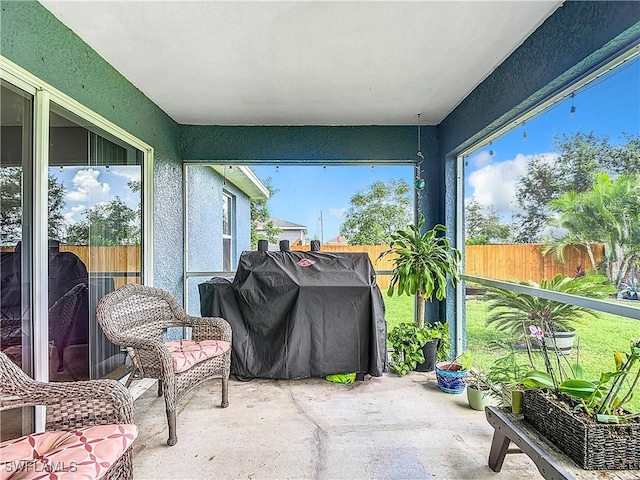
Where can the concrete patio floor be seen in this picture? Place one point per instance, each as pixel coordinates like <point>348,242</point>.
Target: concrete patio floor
<point>383,428</point>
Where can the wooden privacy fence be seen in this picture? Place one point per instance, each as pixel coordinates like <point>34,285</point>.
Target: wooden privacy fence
<point>525,261</point>
<point>500,262</point>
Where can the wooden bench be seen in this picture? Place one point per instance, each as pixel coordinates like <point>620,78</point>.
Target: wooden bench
<point>550,461</point>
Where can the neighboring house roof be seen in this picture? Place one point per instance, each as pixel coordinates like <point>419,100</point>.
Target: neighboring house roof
<point>243,178</point>
<point>284,225</point>
<point>339,239</point>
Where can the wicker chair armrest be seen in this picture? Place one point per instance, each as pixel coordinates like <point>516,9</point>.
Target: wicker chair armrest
<point>139,343</point>
<point>70,404</point>
<point>209,328</point>
<point>157,348</point>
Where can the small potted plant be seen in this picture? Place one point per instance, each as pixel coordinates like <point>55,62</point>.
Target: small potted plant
<point>423,265</point>
<point>507,373</point>
<point>451,374</point>
<point>480,390</point>
<point>416,348</point>
<point>586,419</point>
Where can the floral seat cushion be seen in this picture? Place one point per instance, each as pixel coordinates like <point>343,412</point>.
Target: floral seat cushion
<point>186,353</point>
<point>83,453</point>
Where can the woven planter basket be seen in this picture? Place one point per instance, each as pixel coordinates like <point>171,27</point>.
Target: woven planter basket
<point>593,446</point>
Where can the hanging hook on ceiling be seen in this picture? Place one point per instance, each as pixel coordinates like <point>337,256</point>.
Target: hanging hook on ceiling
<point>419,153</point>
<point>572,111</point>
<point>419,181</point>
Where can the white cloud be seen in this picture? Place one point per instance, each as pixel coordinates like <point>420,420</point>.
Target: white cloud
<point>129,172</point>
<point>75,213</point>
<point>337,212</point>
<point>495,184</point>
<point>86,186</point>
<point>480,159</point>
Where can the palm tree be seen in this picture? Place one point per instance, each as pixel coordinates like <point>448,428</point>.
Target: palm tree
<point>423,264</point>
<point>609,213</point>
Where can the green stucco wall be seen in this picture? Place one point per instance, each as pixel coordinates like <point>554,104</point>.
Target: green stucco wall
<point>307,144</point>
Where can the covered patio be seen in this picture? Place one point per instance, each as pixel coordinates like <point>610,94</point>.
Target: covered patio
<point>388,427</point>
<point>292,83</point>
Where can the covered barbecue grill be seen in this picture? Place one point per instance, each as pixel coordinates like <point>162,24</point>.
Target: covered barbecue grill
<point>301,314</point>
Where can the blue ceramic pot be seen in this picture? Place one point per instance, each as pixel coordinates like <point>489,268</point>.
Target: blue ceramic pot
<point>450,377</point>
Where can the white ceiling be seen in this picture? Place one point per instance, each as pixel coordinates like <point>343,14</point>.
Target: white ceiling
<point>304,62</point>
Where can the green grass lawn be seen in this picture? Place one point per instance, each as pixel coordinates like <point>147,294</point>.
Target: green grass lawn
<point>598,337</point>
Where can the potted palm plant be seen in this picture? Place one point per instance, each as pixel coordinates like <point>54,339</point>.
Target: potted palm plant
<point>423,265</point>
<point>514,312</point>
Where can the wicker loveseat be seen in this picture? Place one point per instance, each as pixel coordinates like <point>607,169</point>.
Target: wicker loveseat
<point>136,316</point>
<point>89,428</point>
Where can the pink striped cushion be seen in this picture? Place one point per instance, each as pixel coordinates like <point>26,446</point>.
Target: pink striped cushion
<point>83,453</point>
<point>186,353</point>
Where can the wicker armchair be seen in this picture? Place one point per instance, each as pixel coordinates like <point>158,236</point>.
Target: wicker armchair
<point>135,316</point>
<point>71,405</point>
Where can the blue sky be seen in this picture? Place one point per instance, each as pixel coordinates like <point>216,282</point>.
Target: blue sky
<point>608,106</point>
<point>88,186</point>
<point>304,192</point>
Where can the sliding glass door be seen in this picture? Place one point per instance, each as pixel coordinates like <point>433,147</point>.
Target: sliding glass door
<point>95,244</point>
<point>16,200</point>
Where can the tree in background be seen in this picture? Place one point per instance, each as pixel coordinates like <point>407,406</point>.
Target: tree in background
<point>11,206</point>
<point>608,213</point>
<point>106,224</point>
<point>376,212</point>
<point>483,225</point>
<point>260,216</point>
<point>581,155</point>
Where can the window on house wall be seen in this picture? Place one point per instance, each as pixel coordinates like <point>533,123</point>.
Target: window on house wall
<point>227,231</point>
<point>518,187</point>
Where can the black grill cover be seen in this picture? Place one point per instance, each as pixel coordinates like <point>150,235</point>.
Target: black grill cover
<point>301,314</point>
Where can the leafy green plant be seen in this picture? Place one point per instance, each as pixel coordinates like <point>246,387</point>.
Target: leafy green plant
<point>464,361</point>
<point>477,380</point>
<point>407,340</point>
<point>423,263</point>
<point>507,370</point>
<point>515,312</point>
<point>603,398</point>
